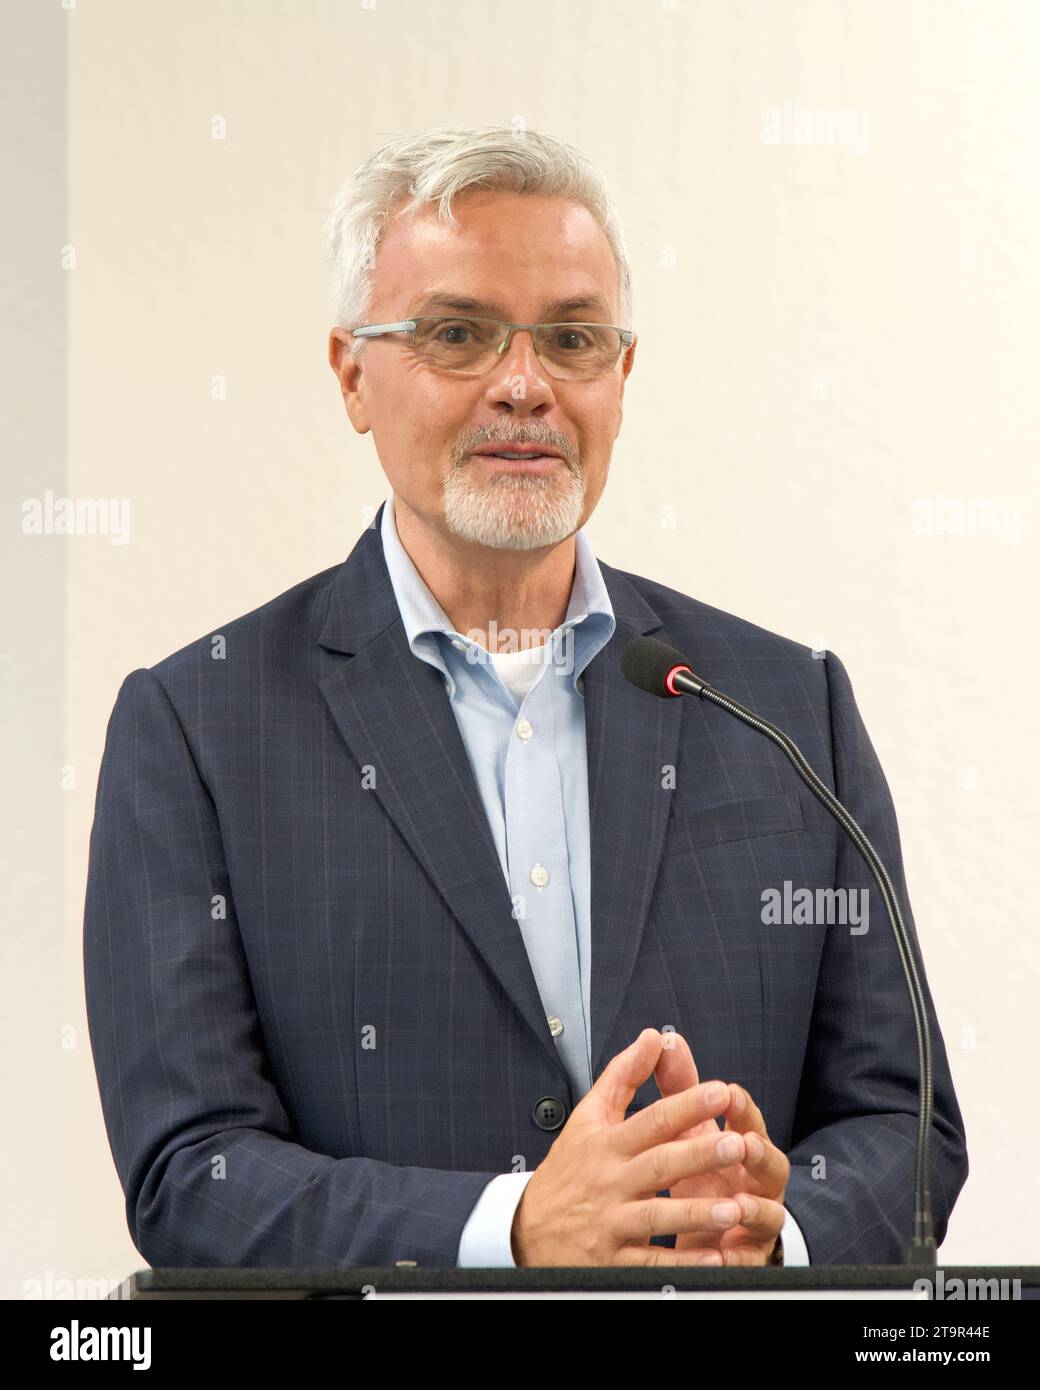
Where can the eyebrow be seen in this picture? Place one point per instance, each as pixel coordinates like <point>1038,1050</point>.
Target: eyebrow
<point>464,303</point>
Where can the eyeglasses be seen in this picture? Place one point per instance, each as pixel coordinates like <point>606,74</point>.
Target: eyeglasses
<point>471,347</point>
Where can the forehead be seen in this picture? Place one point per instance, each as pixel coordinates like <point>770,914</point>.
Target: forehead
<point>512,254</point>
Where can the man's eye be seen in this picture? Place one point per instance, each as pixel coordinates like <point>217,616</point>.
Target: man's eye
<point>454,328</point>
<point>572,338</point>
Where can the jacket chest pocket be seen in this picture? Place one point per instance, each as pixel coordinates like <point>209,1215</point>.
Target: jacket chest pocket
<point>735,820</point>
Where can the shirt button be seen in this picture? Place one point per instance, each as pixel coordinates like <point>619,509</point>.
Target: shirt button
<point>459,646</point>
<point>580,682</point>
<point>555,1027</point>
<point>524,729</point>
<point>448,685</point>
<point>539,876</point>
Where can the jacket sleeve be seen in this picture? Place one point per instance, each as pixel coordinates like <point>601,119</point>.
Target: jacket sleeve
<point>205,1151</point>
<point>855,1124</point>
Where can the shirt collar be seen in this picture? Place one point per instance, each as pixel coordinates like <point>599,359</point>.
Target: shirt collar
<point>589,610</point>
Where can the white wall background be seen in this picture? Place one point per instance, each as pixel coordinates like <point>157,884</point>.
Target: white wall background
<point>837,345</point>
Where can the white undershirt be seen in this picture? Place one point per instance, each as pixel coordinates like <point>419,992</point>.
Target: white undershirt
<point>520,670</point>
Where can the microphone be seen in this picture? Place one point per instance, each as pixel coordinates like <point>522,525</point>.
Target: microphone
<point>660,669</point>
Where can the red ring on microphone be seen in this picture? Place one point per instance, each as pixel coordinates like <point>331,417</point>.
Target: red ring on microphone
<point>671,676</point>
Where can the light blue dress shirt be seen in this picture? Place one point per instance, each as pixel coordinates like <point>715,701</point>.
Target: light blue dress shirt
<point>521,715</point>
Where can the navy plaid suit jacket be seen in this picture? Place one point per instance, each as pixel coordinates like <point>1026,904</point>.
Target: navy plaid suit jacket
<point>315,1027</point>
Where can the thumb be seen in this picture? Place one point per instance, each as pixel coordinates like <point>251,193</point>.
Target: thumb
<point>612,1093</point>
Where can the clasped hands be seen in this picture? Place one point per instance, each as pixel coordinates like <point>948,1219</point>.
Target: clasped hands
<point>592,1200</point>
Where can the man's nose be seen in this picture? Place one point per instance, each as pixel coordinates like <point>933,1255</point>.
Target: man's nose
<point>518,377</point>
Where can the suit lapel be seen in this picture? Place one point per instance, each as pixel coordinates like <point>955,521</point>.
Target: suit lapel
<point>632,740</point>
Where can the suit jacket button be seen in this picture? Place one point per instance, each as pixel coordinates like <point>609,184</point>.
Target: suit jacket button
<point>549,1113</point>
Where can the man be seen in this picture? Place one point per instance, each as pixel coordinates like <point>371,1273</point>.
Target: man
<point>414,931</point>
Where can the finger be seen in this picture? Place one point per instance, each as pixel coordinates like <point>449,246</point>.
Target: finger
<point>743,1114</point>
<point>767,1167</point>
<point>751,1254</point>
<point>668,1117</point>
<point>761,1222</point>
<point>666,1164</point>
<point>676,1071</point>
<point>703,1217</point>
<point>612,1093</point>
<point>764,1162</point>
<point>661,1255</point>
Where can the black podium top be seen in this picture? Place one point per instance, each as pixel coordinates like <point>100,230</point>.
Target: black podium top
<point>356,1283</point>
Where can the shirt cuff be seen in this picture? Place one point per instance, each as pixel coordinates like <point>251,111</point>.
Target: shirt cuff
<point>486,1241</point>
<point>796,1252</point>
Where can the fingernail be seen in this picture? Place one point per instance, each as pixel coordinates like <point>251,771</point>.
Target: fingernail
<point>728,1148</point>
<point>739,1100</point>
<point>715,1094</point>
<point>726,1213</point>
<point>750,1209</point>
<point>755,1147</point>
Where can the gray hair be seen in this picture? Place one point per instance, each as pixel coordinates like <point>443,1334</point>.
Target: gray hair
<point>434,167</point>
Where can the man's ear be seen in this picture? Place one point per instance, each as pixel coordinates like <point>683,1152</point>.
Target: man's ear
<point>627,363</point>
<point>351,378</point>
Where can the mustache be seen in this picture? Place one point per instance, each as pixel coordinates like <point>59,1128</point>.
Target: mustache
<point>552,439</point>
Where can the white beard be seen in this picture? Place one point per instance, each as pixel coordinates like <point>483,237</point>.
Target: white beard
<point>513,511</point>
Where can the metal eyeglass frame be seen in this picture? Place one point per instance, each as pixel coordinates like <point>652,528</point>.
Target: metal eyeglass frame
<point>373,330</point>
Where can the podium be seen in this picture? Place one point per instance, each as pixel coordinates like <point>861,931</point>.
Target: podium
<point>958,1285</point>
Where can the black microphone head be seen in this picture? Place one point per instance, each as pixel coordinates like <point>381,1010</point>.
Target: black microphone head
<point>646,662</point>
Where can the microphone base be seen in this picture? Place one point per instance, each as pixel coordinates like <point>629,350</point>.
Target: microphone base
<point>922,1254</point>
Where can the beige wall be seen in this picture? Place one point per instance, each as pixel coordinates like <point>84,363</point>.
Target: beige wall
<point>834,339</point>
